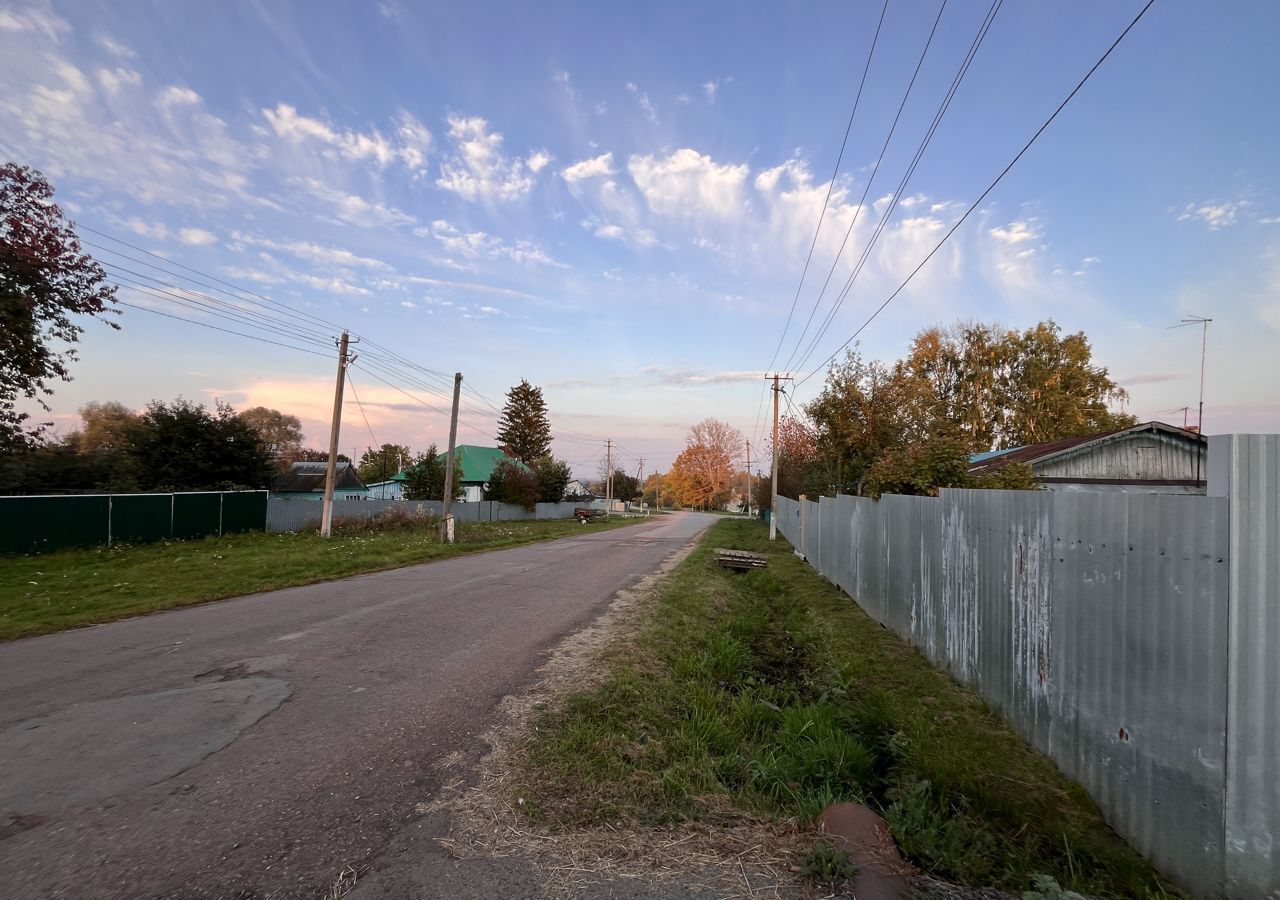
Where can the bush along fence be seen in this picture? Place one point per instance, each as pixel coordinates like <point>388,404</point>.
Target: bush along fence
<point>1134,638</point>
<point>302,515</point>
<point>30,524</point>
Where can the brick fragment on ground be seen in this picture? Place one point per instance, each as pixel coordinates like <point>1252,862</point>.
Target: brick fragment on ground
<point>882,872</point>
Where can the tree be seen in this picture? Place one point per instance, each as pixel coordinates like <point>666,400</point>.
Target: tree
<point>306,454</point>
<point>996,388</point>
<point>924,468</point>
<point>553,477</point>
<point>45,280</point>
<point>688,482</point>
<point>183,446</point>
<point>920,469</point>
<point>511,482</point>
<point>656,491</point>
<point>424,479</point>
<point>381,464</point>
<point>625,487</point>
<point>281,434</point>
<point>865,408</point>
<point>1054,391</point>
<point>59,467</point>
<point>800,466</point>
<point>523,428</point>
<point>104,427</point>
<point>704,470</point>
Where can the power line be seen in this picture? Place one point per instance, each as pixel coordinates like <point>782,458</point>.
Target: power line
<point>82,227</point>
<point>901,188</point>
<point>219,310</point>
<point>989,189</point>
<point>862,201</point>
<point>351,381</point>
<point>857,99</point>
<point>823,212</point>
<point>251,337</point>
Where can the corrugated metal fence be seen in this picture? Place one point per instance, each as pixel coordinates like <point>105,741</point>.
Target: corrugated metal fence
<point>301,515</point>
<point>1131,637</point>
<point>88,520</point>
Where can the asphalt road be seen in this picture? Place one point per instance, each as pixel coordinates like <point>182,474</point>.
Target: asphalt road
<point>253,748</point>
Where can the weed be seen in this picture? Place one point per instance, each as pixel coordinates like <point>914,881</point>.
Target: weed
<point>773,693</point>
<point>1045,887</point>
<point>828,865</point>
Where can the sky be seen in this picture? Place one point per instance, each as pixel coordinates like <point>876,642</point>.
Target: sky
<point>616,201</point>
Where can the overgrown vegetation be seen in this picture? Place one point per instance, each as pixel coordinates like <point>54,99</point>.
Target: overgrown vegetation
<point>772,693</point>
<point>46,592</point>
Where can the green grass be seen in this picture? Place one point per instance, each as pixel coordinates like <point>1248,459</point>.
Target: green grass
<point>47,592</point>
<point>774,691</point>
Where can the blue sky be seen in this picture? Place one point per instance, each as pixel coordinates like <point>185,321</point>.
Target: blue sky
<point>614,201</point>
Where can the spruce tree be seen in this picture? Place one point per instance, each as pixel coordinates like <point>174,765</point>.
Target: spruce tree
<point>523,427</point>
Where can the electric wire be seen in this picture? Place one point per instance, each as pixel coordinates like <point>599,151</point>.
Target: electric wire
<point>351,382</point>
<point>862,201</point>
<point>823,212</point>
<point>251,337</point>
<point>900,190</point>
<point>1025,147</point>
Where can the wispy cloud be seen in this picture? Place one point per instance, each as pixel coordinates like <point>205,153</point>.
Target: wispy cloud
<point>479,168</point>
<point>646,105</point>
<point>1214,214</point>
<point>354,210</point>
<point>311,251</point>
<point>409,144</point>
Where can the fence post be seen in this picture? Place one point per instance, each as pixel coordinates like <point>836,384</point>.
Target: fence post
<point>1245,468</point>
<point>804,514</point>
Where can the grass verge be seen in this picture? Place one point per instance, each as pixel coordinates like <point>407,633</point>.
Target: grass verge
<point>771,693</point>
<point>46,592</point>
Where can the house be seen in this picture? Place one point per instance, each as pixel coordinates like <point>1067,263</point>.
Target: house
<point>391,489</point>
<point>578,492</point>
<point>305,481</point>
<point>1150,458</point>
<point>475,469</point>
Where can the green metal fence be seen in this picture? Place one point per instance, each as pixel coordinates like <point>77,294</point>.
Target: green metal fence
<point>49,522</point>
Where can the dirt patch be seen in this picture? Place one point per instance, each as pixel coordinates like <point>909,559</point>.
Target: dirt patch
<point>748,858</point>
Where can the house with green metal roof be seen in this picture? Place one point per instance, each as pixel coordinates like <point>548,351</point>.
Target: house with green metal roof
<point>475,469</point>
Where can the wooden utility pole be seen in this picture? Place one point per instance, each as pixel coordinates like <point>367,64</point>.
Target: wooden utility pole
<point>446,498</point>
<point>330,475</point>
<point>773,502</point>
<point>608,478</point>
<point>748,479</point>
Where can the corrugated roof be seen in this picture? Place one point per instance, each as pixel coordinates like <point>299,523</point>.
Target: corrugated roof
<point>1033,453</point>
<point>306,477</point>
<point>990,454</point>
<point>476,464</point>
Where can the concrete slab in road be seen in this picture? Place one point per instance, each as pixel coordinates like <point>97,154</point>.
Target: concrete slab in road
<point>255,747</point>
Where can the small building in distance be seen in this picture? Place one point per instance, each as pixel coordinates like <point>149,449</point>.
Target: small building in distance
<point>578,492</point>
<point>1151,458</point>
<point>305,481</point>
<point>391,489</point>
